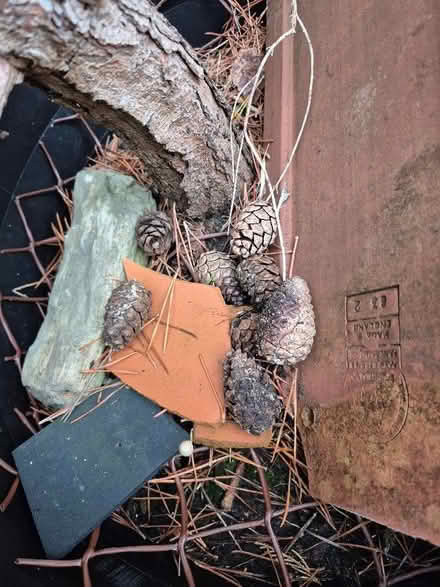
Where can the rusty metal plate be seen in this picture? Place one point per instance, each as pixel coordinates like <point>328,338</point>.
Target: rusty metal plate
<point>366,208</point>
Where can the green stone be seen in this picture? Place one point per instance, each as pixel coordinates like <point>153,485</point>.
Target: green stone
<point>106,207</point>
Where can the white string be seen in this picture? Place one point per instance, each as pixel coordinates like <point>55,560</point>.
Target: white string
<point>264,177</point>
<point>309,103</point>
<point>256,80</point>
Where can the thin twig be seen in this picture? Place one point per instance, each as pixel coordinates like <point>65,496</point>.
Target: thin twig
<point>228,499</point>
<point>4,465</point>
<point>156,326</point>
<point>268,524</point>
<point>292,259</point>
<point>10,495</point>
<point>24,420</point>
<point>110,395</point>
<point>379,567</point>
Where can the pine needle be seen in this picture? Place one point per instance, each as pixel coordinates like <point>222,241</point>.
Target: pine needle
<point>208,376</point>
<point>286,409</point>
<point>170,288</point>
<point>167,326</point>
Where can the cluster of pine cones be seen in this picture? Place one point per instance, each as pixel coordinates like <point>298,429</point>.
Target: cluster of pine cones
<point>250,276</point>
<point>279,329</point>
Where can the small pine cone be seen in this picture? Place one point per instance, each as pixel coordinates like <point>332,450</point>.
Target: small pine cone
<point>127,310</point>
<point>254,231</point>
<point>216,268</point>
<point>249,393</point>
<point>258,277</point>
<point>243,332</point>
<point>154,233</point>
<point>286,325</point>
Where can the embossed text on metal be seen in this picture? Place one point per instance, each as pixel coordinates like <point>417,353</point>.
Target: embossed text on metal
<point>372,331</point>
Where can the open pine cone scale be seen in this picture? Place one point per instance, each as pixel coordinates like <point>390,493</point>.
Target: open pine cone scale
<point>255,230</point>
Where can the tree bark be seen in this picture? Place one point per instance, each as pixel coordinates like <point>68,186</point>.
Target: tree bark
<point>124,65</point>
<point>9,76</point>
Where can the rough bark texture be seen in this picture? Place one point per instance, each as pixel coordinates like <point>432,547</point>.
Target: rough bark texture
<point>9,76</point>
<point>126,66</point>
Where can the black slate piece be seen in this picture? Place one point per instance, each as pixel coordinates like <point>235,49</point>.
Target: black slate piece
<point>76,474</point>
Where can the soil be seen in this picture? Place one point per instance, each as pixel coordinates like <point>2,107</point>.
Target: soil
<point>339,566</point>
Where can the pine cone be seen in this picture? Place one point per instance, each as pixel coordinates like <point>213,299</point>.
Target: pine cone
<point>243,332</point>
<point>254,231</point>
<point>154,233</point>
<point>127,310</point>
<point>249,393</point>
<point>258,277</point>
<point>216,268</point>
<point>286,325</point>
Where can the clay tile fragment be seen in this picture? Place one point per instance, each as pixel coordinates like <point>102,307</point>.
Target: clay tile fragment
<point>187,377</point>
<point>230,435</point>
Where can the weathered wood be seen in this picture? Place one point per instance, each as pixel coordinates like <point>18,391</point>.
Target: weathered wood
<point>102,235</point>
<point>9,76</point>
<point>121,62</point>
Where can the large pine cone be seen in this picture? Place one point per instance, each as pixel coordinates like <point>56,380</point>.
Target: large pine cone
<point>250,397</point>
<point>243,332</point>
<point>127,310</point>
<point>216,268</point>
<point>254,231</point>
<point>258,277</point>
<point>286,326</point>
<point>154,233</point>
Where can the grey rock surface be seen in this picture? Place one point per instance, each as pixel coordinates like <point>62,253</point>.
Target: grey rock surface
<point>106,208</point>
<point>76,474</point>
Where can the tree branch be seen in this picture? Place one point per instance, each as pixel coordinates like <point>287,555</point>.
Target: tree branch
<point>122,63</point>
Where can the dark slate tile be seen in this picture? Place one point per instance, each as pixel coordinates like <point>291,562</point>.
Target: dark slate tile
<point>76,475</point>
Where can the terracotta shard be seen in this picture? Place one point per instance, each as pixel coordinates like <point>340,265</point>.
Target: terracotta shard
<point>187,377</point>
<point>229,435</point>
<point>366,210</point>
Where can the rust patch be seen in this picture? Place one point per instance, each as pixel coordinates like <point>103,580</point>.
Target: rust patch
<point>416,179</point>
<point>383,407</point>
<point>429,410</point>
<point>361,110</point>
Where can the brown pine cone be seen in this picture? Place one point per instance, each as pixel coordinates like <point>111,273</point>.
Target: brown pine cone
<point>249,393</point>
<point>127,310</point>
<point>216,268</point>
<point>154,233</point>
<point>243,332</point>
<point>254,231</point>
<point>286,324</point>
<point>258,277</point>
